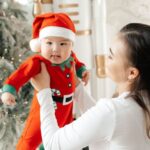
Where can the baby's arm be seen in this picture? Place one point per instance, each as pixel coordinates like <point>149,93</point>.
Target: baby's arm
<point>81,70</point>
<point>18,78</point>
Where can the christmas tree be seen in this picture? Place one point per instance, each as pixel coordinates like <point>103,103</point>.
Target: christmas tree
<point>14,40</point>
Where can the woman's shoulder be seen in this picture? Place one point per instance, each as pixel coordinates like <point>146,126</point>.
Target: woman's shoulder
<point>106,105</point>
<point>120,103</point>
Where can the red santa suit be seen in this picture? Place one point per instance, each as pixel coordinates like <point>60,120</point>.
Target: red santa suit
<point>62,85</point>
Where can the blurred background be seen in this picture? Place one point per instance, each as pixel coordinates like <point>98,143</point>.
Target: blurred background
<point>96,22</point>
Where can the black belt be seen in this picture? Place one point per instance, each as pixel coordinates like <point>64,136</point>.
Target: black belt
<point>61,99</point>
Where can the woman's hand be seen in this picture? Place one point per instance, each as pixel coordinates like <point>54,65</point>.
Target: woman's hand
<point>42,80</point>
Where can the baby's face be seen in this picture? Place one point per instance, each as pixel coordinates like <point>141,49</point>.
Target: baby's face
<point>56,49</point>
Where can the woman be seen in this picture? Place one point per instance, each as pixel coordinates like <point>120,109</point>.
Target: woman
<point>121,123</point>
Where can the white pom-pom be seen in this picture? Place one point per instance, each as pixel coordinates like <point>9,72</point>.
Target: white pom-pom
<point>35,45</point>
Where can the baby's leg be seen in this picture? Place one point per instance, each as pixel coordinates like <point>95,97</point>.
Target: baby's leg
<point>31,136</point>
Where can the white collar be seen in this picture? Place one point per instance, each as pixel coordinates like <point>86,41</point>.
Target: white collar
<point>124,94</point>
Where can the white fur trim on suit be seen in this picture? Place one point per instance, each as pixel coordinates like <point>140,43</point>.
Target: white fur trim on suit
<point>58,32</point>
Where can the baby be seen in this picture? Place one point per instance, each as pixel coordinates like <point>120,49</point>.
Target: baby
<point>53,37</point>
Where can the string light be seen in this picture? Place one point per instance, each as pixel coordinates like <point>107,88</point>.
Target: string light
<point>20,60</point>
<point>20,55</point>
<point>14,116</point>
<point>6,50</point>
<point>4,123</point>
<point>25,103</point>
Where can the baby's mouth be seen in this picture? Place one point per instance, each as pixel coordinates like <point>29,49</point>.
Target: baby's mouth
<point>55,56</point>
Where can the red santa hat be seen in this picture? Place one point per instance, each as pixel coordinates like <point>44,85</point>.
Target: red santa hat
<point>51,24</point>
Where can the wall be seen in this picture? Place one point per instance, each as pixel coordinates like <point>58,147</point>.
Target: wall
<point>119,13</point>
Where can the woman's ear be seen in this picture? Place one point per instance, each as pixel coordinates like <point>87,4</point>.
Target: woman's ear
<point>133,73</point>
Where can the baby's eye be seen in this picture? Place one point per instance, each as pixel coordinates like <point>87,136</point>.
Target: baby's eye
<point>63,44</point>
<point>49,43</point>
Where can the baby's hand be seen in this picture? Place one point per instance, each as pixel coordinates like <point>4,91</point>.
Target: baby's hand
<point>85,77</point>
<point>8,99</point>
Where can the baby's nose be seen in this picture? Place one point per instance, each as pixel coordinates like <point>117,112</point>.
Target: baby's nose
<point>55,48</point>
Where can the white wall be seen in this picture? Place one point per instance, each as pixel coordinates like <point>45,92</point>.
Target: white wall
<point>121,12</point>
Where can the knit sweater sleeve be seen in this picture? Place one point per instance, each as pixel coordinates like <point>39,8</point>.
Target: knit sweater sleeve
<point>93,125</point>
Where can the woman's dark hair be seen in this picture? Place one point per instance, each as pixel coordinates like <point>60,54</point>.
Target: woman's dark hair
<point>137,38</point>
